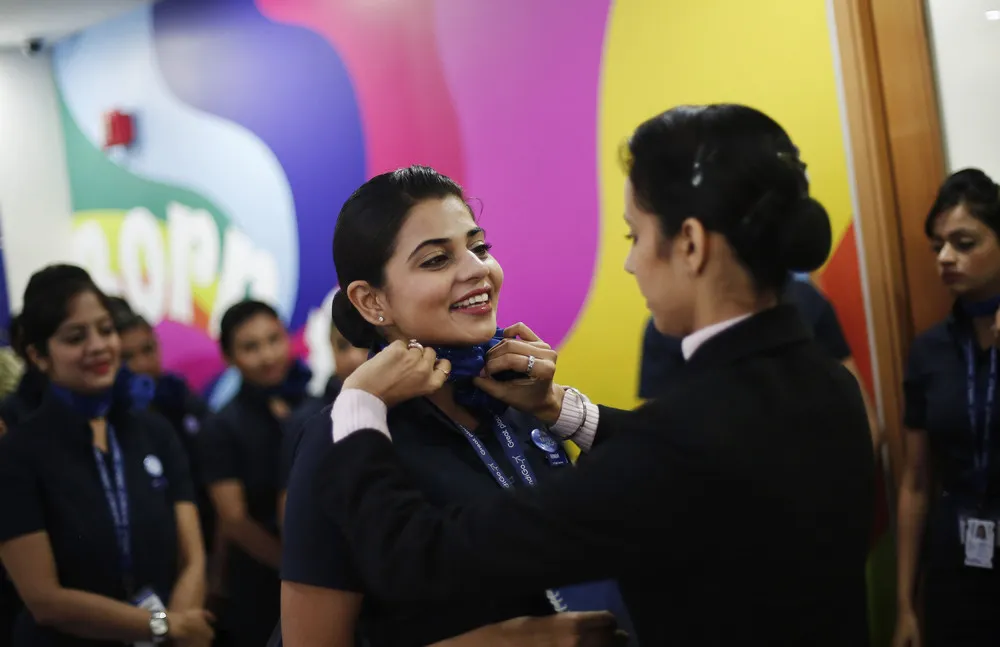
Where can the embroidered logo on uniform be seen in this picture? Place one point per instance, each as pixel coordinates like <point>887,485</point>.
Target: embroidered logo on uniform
<point>153,466</point>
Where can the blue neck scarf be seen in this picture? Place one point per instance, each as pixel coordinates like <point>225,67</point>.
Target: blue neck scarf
<point>467,362</point>
<point>987,308</point>
<point>129,391</point>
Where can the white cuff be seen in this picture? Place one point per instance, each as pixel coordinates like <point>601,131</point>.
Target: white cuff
<point>354,410</point>
<point>577,420</point>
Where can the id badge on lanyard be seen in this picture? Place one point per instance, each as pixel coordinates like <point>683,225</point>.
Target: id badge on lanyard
<point>117,498</point>
<point>979,535</point>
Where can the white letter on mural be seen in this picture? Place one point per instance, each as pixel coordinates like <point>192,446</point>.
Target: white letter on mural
<point>92,252</point>
<point>246,271</point>
<point>142,263</point>
<point>193,241</point>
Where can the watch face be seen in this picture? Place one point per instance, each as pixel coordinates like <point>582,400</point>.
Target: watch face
<point>158,626</point>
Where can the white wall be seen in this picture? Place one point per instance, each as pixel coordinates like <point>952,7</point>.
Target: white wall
<point>966,49</point>
<point>34,183</point>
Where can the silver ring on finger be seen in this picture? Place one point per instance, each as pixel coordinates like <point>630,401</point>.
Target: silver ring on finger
<point>531,365</point>
<point>413,343</point>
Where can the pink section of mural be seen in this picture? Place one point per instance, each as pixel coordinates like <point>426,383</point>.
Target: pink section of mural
<point>525,77</point>
<point>190,352</point>
<point>502,96</point>
<point>391,54</point>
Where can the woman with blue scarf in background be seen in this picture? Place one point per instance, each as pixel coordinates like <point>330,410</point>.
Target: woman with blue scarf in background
<point>240,457</point>
<point>98,528</point>
<point>411,234</point>
<point>949,501</point>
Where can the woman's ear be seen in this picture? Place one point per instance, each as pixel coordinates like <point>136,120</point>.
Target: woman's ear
<point>692,244</point>
<point>40,362</point>
<point>368,302</point>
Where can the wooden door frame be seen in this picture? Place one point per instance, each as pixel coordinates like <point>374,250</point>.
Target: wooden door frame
<point>897,160</point>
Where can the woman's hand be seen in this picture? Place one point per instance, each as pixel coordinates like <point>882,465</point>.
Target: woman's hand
<point>907,630</point>
<point>522,351</point>
<point>190,628</point>
<point>587,629</point>
<point>400,372</point>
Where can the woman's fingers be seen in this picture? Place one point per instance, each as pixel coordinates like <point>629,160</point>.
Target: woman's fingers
<point>537,368</point>
<point>520,330</point>
<point>518,347</point>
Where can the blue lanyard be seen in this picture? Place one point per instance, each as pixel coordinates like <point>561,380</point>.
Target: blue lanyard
<point>512,447</point>
<point>981,454</point>
<point>117,497</point>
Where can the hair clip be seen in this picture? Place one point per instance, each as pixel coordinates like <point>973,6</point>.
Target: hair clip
<point>696,174</point>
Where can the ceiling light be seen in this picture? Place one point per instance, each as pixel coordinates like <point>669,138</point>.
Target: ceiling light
<point>993,15</point>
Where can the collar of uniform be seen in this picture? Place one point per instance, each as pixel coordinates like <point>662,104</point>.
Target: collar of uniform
<point>422,410</point>
<point>772,328</point>
<point>56,414</point>
<point>691,343</point>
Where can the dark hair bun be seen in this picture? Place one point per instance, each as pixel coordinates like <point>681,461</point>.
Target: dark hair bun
<point>805,238</point>
<point>348,320</point>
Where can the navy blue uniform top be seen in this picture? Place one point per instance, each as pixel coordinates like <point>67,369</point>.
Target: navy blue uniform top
<point>936,401</point>
<point>295,426</point>
<point>444,466</point>
<point>49,482</point>
<point>662,357</point>
<point>243,442</point>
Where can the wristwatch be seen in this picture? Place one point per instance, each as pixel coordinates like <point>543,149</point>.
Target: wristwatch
<point>159,626</point>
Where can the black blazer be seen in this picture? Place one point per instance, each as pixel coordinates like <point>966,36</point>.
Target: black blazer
<point>735,509</point>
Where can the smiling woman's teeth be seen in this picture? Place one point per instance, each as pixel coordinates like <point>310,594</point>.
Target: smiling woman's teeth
<point>471,301</point>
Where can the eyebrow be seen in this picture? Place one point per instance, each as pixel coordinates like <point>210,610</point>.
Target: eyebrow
<point>472,233</point>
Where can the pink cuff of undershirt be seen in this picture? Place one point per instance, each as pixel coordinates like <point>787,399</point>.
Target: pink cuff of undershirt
<point>577,420</point>
<point>354,410</point>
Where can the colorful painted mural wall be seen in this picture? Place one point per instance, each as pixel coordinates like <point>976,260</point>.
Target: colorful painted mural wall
<point>257,119</point>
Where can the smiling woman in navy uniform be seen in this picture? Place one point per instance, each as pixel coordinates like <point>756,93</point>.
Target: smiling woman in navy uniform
<point>97,525</point>
<point>406,243</point>
<point>734,509</point>
<point>949,503</point>
<point>239,450</point>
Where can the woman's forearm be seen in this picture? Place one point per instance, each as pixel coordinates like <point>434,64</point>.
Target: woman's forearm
<point>88,615</point>
<point>912,515</point>
<point>189,589</point>
<point>255,541</point>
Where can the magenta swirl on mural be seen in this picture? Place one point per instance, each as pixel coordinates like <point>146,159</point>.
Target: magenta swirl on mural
<point>525,76</point>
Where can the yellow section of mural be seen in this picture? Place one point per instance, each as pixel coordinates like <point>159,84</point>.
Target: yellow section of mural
<point>774,55</point>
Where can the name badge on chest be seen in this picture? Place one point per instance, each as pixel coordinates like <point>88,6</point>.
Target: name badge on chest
<point>980,542</point>
<point>554,453</point>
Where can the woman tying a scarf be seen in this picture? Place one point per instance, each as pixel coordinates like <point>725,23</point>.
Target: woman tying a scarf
<point>240,454</point>
<point>410,237</point>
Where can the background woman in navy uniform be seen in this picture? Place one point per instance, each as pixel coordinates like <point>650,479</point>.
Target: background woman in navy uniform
<point>952,470</point>
<point>96,504</point>
<point>407,245</point>
<point>240,456</point>
<point>736,508</point>
<point>172,399</point>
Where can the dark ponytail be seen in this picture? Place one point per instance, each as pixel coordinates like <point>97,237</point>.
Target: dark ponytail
<point>736,170</point>
<point>349,322</point>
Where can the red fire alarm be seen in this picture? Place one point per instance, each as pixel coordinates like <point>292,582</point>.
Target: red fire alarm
<point>119,129</point>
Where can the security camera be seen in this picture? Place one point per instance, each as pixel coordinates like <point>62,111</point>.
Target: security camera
<point>33,46</point>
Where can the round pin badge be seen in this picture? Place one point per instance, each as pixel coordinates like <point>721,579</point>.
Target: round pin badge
<point>153,466</point>
<point>191,424</point>
<point>543,441</point>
